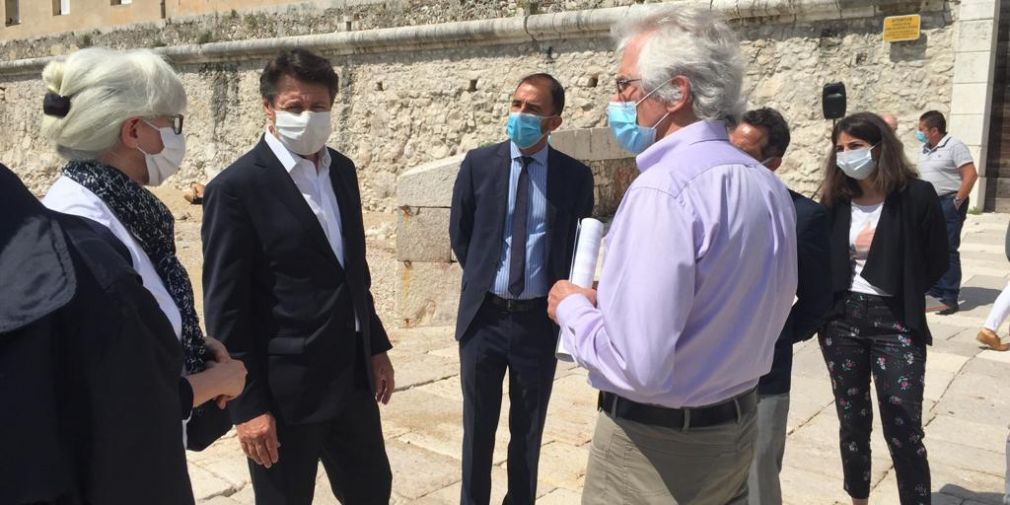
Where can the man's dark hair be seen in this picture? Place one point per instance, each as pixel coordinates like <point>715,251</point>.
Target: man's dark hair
<point>776,126</point>
<point>553,86</point>
<point>300,64</point>
<point>934,119</point>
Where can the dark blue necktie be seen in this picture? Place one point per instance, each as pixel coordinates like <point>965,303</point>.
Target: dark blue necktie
<point>520,215</point>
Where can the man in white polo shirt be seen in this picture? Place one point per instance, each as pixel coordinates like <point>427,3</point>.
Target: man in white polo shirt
<point>946,163</point>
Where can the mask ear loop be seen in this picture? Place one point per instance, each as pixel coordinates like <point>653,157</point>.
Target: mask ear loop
<point>661,119</point>
<point>158,129</point>
<point>647,95</point>
<point>141,149</point>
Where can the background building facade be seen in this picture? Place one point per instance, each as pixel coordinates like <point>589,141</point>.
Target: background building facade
<point>425,80</point>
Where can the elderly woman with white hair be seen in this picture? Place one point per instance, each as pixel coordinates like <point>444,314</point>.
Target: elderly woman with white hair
<point>117,117</point>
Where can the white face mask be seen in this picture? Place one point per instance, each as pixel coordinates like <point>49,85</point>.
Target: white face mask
<point>161,166</point>
<point>304,133</point>
<point>856,163</point>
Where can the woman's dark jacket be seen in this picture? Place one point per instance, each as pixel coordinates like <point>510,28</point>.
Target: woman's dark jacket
<point>89,367</point>
<point>909,253</point>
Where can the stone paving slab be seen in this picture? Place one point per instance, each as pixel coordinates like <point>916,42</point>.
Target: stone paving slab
<point>966,411</point>
<point>419,471</point>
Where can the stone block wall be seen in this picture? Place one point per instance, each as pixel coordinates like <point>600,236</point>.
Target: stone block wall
<point>429,275</point>
<point>427,92</point>
<point>402,106</point>
<point>789,64</point>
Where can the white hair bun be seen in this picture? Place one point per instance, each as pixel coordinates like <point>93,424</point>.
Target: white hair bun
<point>100,89</point>
<point>52,76</point>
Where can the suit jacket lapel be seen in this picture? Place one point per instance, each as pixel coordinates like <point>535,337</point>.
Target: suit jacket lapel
<point>340,190</point>
<point>280,183</point>
<point>555,194</point>
<point>841,265</point>
<point>501,175</point>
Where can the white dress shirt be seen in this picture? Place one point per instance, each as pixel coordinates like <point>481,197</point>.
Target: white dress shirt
<point>69,197</point>
<point>317,190</point>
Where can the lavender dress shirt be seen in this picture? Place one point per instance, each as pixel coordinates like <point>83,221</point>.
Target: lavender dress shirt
<point>698,276</point>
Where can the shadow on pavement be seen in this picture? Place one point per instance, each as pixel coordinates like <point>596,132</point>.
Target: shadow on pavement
<point>959,493</point>
<point>972,297</point>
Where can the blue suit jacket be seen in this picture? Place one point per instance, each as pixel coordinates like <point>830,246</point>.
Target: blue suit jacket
<point>477,219</point>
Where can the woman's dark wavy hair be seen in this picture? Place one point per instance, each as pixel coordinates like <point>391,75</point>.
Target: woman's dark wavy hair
<point>893,169</point>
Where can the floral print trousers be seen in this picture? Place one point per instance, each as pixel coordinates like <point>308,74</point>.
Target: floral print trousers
<point>868,340</point>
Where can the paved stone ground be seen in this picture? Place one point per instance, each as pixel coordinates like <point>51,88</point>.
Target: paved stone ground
<point>966,414</point>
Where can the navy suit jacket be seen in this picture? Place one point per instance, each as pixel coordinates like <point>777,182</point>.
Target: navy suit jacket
<point>479,209</point>
<point>813,291</point>
<point>276,295</point>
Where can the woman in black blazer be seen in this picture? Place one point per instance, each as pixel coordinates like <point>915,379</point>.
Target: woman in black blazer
<point>888,246</point>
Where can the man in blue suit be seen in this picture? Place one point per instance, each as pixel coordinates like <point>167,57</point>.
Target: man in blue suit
<point>515,208</point>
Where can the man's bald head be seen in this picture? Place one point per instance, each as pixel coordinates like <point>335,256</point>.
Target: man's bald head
<point>890,120</point>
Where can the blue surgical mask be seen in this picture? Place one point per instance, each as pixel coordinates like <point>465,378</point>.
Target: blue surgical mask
<point>623,120</point>
<point>524,129</point>
<point>921,137</point>
<point>857,163</point>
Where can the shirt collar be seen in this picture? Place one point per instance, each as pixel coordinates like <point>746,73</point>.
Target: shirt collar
<point>291,160</point>
<point>699,131</point>
<point>942,143</point>
<point>539,156</point>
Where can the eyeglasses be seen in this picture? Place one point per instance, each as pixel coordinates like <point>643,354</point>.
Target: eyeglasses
<point>177,121</point>
<point>622,84</point>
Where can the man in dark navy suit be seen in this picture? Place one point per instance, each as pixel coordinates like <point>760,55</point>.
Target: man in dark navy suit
<point>515,208</point>
<point>764,134</point>
<point>287,289</point>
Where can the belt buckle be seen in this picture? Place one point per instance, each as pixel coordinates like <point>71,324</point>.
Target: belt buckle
<point>510,304</point>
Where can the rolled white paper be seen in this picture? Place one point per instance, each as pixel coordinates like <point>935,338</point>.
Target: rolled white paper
<point>588,239</point>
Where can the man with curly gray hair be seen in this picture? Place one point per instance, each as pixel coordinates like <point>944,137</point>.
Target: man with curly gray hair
<point>698,280</point>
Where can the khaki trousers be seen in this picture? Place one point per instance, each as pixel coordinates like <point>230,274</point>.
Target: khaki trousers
<point>637,464</point>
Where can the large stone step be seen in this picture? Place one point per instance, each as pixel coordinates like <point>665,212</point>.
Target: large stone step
<point>1002,203</point>
<point>1003,185</point>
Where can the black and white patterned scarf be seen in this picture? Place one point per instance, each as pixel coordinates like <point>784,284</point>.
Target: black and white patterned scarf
<point>151,224</point>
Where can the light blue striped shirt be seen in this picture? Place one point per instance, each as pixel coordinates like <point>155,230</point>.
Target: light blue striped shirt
<point>536,244</point>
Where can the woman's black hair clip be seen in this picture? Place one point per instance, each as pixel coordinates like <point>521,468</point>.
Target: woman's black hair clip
<point>56,105</point>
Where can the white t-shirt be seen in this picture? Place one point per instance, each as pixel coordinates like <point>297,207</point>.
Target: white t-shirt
<point>861,231</point>
<point>69,197</point>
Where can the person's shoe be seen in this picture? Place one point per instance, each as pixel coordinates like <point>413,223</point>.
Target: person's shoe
<point>934,304</point>
<point>949,308</point>
<point>991,340</point>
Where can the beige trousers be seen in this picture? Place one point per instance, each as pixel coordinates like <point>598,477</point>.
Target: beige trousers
<point>637,464</point>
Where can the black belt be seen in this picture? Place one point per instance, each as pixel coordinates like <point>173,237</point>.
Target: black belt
<point>729,411</point>
<point>510,305</point>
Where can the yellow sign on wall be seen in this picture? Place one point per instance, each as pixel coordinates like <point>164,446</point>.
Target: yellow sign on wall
<point>901,28</point>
